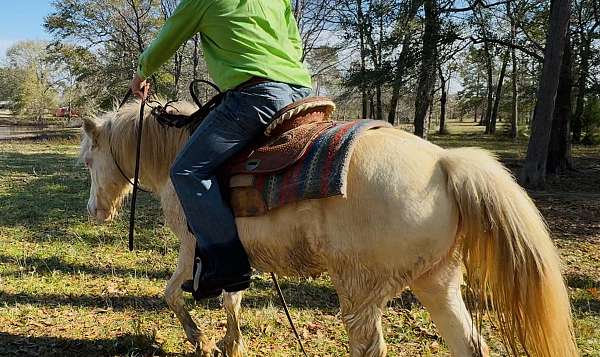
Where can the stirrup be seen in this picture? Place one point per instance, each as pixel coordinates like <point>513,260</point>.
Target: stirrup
<point>204,289</point>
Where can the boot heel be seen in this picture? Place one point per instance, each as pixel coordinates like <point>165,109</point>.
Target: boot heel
<point>237,287</point>
<point>201,295</point>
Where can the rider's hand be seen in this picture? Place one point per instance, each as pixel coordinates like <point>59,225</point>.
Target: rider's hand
<point>139,87</point>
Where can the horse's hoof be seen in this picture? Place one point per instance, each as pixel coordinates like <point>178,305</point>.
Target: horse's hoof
<point>231,349</point>
<point>207,348</point>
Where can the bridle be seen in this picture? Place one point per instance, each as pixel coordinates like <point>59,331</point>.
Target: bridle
<point>116,162</point>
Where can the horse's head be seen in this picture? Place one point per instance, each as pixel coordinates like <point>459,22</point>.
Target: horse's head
<point>108,186</point>
<point>112,139</point>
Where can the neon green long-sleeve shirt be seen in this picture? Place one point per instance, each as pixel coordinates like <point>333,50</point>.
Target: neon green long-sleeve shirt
<point>240,39</point>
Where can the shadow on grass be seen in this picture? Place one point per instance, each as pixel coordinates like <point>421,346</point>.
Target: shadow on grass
<point>303,294</point>
<point>582,281</point>
<point>116,303</point>
<point>55,189</point>
<point>48,193</point>
<point>54,263</point>
<point>407,300</point>
<point>46,135</point>
<point>300,294</point>
<point>586,299</point>
<point>124,345</point>
<point>586,305</point>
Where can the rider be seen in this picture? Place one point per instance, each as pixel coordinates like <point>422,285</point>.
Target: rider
<point>253,51</point>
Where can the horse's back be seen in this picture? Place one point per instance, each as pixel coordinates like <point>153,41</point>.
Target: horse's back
<point>397,217</point>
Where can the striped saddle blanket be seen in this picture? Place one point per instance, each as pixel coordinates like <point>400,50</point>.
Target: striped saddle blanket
<point>321,171</point>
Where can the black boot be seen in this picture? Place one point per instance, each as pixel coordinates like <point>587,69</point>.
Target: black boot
<point>213,274</point>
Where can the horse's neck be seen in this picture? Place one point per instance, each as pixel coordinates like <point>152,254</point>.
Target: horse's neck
<point>156,161</point>
<point>159,148</point>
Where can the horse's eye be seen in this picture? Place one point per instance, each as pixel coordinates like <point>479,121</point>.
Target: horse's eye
<point>88,163</point>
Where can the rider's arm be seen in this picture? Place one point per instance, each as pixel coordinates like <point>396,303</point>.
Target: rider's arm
<point>293,33</point>
<point>180,27</point>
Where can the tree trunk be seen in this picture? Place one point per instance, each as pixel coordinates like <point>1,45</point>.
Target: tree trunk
<point>298,6</point>
<point>491,128</point>
<point>363,54</point>
<point>402,61</point>
<point>533,174</point>
<point>490,85</point>
<point>443,101</point>
<point>394,105</point>
<point>514,106</point>
<point>196,57</point>
<point>379,57</point>
<point>178,59</point>
<point>430,114</point>
<point>584,68</point>
<point>398,79</point>
<point>428,66</point>
<point>378,103</point>
<point>559,151</point>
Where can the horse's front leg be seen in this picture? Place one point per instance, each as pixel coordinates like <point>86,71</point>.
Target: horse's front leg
<point>173,293</point>
<point>233,342</point>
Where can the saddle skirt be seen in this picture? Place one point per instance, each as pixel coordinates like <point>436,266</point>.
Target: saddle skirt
<point>303,155</point>
<point>287,137</point>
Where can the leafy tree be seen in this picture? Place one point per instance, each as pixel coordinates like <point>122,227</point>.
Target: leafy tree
<point>36,92</point>
<point>10,82</point>
<point>115,31</point>
<point>77,76</point>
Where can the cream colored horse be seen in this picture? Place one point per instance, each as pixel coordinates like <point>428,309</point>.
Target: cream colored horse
<point>414,214</point>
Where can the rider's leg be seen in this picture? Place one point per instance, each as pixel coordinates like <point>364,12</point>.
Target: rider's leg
<point>241,117</point>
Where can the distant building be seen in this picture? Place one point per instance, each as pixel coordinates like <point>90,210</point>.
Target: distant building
<point>64,112</point>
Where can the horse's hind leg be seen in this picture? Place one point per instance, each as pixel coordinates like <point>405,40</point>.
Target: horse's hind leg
<point>439,291</point>
<point>361,312</point>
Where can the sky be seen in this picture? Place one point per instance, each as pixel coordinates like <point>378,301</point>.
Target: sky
<point>22,20</point>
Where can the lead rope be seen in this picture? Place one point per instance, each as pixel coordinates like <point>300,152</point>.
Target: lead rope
<point>287,313</point>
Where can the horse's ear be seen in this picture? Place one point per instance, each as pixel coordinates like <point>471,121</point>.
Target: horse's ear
<point>90,127</point>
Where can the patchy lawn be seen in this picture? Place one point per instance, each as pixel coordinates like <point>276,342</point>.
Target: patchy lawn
<point>69,287</point>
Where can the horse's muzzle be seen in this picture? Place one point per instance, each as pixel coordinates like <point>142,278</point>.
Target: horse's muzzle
<point>100,215</point>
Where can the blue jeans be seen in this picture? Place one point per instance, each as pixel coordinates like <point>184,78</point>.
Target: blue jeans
<point>237,121</point>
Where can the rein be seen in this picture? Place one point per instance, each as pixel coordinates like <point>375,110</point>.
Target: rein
<point>166,119</point>
<point>191,122</point>
<point>136,175</point>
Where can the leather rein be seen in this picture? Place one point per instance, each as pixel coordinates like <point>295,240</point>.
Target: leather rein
<point>168,119</point>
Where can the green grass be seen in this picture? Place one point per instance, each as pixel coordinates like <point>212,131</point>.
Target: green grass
<point>70,287</point>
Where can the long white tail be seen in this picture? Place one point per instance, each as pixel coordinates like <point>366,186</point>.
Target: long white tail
<point>509,257</point>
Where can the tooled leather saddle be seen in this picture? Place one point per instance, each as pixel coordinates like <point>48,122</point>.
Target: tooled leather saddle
<point>285,141</point>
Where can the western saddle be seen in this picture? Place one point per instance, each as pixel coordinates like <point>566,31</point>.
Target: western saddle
<point>285,141</point>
